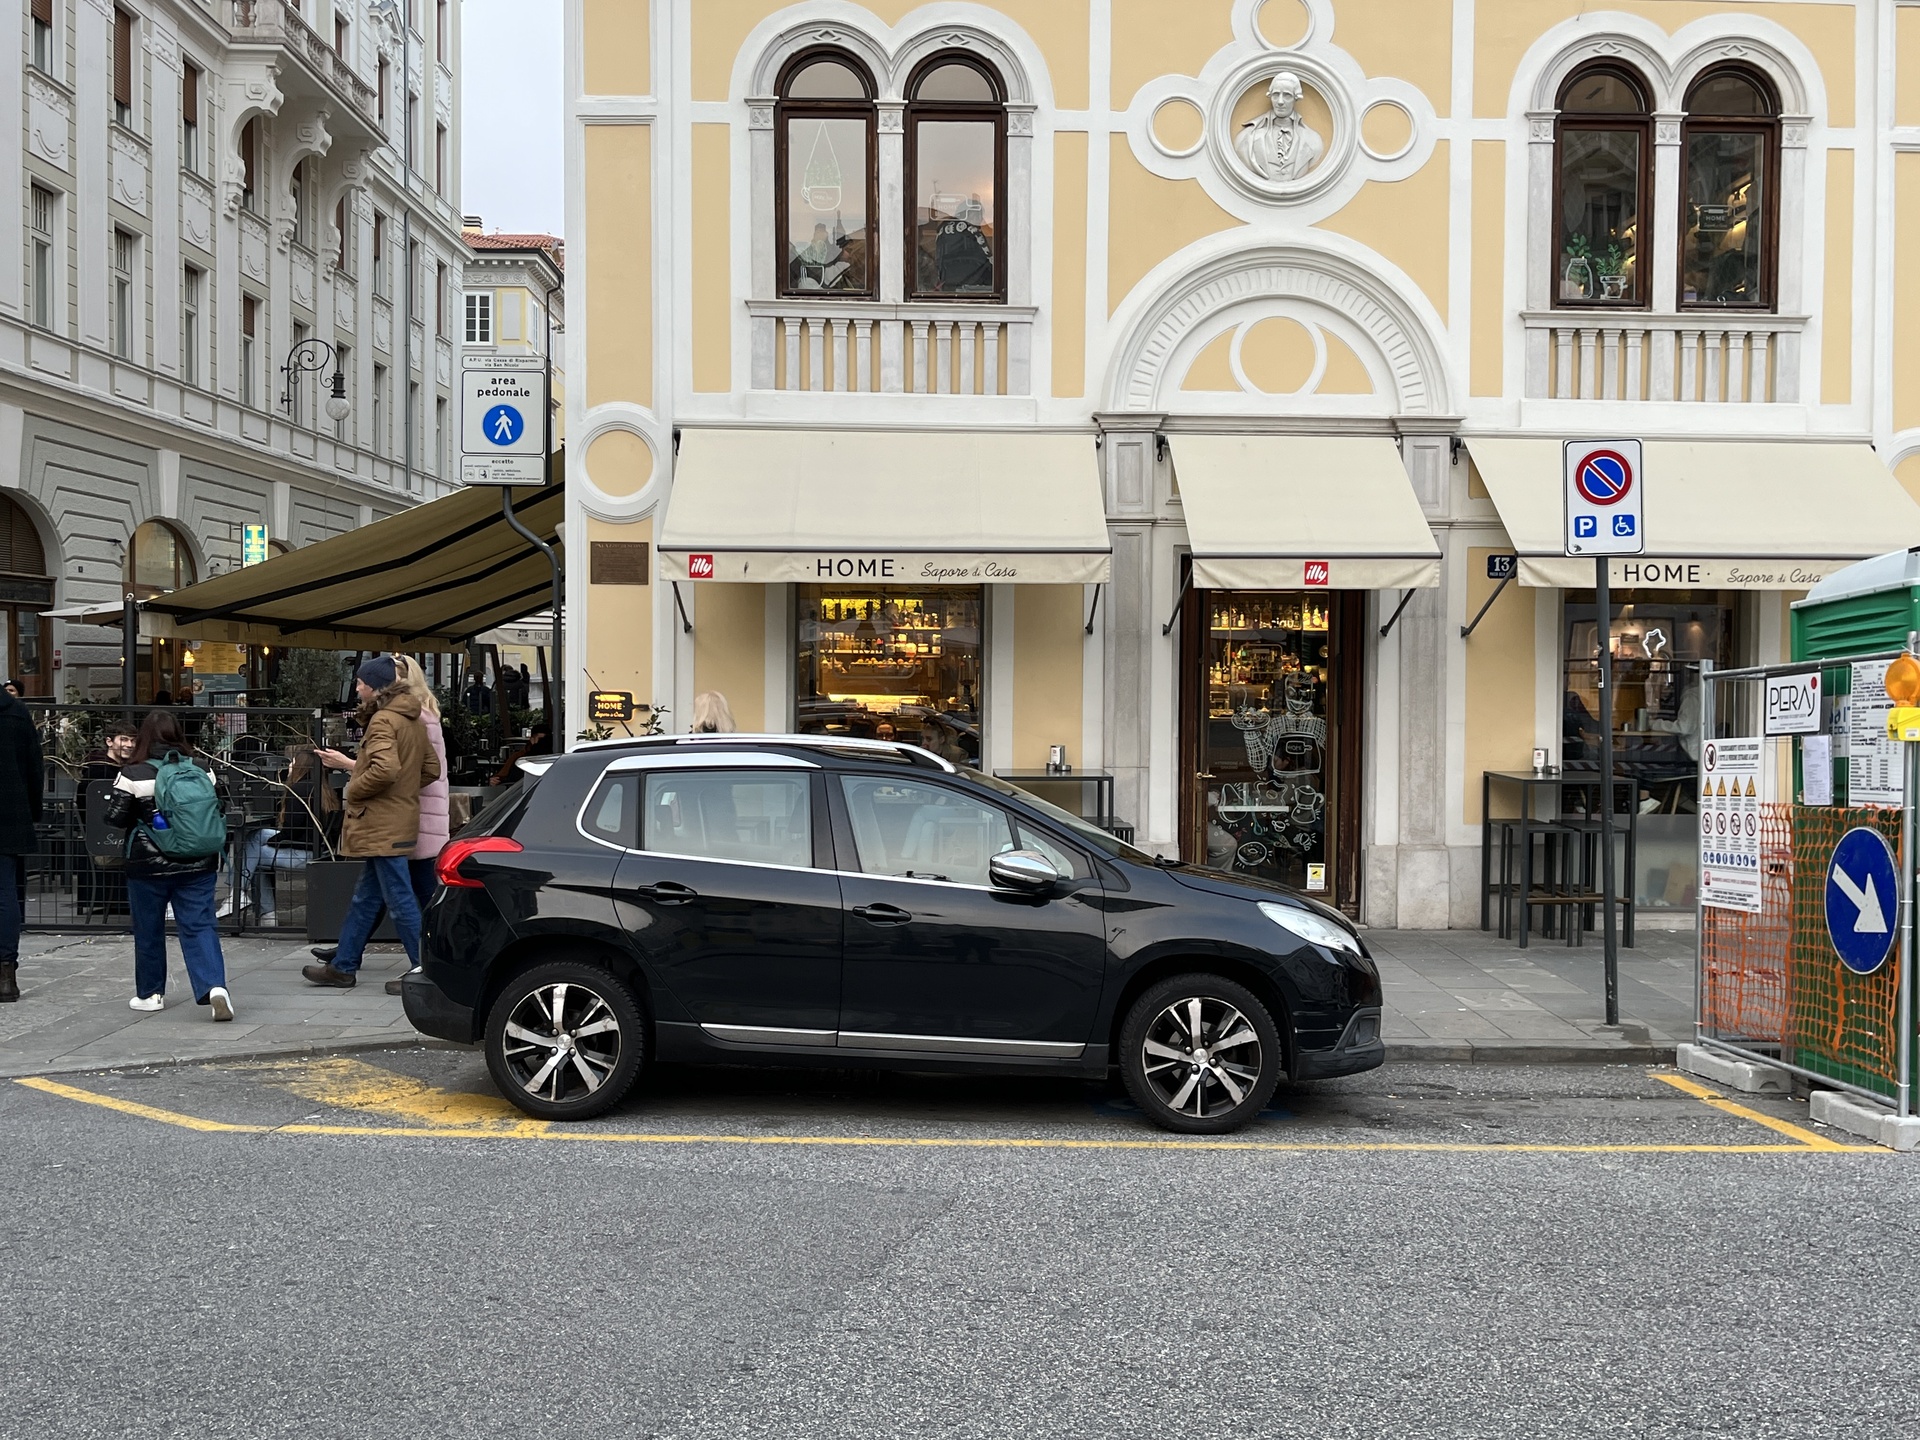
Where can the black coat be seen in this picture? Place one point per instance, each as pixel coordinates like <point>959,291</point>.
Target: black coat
<point>130,811</point>
<point>22,777</point>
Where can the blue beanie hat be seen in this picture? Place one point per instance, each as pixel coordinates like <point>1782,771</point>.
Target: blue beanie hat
<point>377,673</point>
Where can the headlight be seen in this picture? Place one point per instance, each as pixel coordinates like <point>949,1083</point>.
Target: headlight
<point>1310,927</point>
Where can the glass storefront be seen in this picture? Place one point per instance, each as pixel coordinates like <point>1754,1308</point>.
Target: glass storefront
<point>891,664</point>
<point>1658,644</point>
<point>1270,711</point>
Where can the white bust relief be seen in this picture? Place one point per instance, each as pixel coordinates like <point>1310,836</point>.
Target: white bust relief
<point>1280,145</point>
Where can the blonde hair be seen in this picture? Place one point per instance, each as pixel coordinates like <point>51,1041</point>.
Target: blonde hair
<point>712,715</point>
<point>408,672</point>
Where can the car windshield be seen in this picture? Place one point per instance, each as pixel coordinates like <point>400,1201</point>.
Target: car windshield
<point>1101,840</point>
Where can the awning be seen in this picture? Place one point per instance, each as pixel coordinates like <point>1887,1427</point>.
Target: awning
<point>1720,514</point>
<point>1279,512</point>
<point>914,507</point>
<point>428,578</point>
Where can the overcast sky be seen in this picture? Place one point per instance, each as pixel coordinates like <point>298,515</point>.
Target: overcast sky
<point>512,166</point>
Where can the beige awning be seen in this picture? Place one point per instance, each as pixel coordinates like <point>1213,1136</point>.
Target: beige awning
<point>1279,512</point>
<point>911,507</point>
<point>429,578</point>
<point>1720,514</point>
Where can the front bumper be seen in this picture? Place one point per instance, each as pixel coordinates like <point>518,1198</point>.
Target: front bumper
<point>1360,1048</point>
<point>431,1012</point>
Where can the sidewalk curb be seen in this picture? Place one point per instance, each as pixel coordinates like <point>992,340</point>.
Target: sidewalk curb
<point>416,1041</point>
<point>1529,1052</point>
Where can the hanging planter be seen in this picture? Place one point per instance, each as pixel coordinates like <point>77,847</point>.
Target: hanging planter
<point>820,180</point>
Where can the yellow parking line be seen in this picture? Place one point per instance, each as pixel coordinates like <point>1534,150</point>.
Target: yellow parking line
<point>1810,1139</point>
<point>537,1131</point>
<point>346,1084</point>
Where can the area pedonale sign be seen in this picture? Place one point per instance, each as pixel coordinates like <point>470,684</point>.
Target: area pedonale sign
<point>1793,704</point>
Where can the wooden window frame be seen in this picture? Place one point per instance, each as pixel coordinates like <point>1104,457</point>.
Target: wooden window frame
<point>124,113</point>
<point>920,111</point>
<point>1768,128</point>
<point>786,109</point>
<point>1640,125</point>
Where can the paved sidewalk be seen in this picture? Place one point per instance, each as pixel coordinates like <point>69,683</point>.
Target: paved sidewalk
<point>73,1011</point>
<point>1469,995</point>
<point>1451,995</point>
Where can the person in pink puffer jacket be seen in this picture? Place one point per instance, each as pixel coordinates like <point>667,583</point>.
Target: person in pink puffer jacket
<point>434,803</point>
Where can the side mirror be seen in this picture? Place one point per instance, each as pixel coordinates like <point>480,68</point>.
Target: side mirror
<point>1024,870</point>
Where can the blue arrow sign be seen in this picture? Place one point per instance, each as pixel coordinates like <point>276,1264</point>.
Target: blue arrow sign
<point>1863,899</point>
<point>503,425</point>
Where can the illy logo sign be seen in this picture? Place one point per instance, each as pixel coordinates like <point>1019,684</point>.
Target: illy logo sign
<point>1315,572</point>
<point>699,567</point>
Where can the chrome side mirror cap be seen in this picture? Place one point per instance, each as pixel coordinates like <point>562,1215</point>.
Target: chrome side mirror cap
<point>1026,870</point>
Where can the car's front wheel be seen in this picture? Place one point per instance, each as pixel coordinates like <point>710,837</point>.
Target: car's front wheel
<point>565,1041</point>
<point>1200,1054</point>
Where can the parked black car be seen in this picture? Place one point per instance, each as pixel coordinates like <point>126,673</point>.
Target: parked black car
<point>811,899</point>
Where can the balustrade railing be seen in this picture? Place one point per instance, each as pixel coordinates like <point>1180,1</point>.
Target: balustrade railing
<point>276,22</point>
<point>877,348</point>
<point>1693,357</point>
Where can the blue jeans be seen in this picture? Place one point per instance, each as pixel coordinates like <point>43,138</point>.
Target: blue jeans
<point>384,880</point>
<point>192,899</point>
<point>261,850</point>
<point>12,899</point>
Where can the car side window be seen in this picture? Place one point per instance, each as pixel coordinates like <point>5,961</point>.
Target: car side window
<point>761,817</point>
<point>610,814</point>
<point>1064,860</point>
<point>927,832</point>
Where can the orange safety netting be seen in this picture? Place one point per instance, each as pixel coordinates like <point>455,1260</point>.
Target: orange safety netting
<point>1773,979</point>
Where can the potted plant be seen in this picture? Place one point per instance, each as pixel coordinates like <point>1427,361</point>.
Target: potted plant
<point>1576,276</point>
<point>1612,267</point>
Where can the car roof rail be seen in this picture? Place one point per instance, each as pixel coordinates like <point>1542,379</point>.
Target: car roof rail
<point>912,754</point>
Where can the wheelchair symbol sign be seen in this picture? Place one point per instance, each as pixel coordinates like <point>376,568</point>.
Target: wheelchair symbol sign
<point>1623,525</point>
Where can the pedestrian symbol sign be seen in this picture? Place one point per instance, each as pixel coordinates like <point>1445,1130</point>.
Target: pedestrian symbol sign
<point>502,425</point>
<point>1863,899</point>
<point>1604,494</point>
<point>502,430</point>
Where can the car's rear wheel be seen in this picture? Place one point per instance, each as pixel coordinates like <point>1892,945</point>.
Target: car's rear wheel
<point>1200,1054</point>
<point>566,1040</point>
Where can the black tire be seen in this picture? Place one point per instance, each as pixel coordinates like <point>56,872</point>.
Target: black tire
<point>1197,1096</point>
<point>551,1081</point>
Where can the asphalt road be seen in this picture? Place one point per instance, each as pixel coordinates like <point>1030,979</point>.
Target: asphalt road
<point>1424,1251</point>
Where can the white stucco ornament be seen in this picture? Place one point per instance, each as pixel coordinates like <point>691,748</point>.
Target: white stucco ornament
<point>1280,145</point>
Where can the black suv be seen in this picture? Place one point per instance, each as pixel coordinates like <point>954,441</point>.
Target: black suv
<point>791,899</point>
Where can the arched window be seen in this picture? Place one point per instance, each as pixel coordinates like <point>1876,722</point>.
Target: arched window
<point>956,174</point>
<point>26,589</point>
<point>158,560</point>
<point>824,186</point>
<point>1603,148</point>
<point>1731,145</point>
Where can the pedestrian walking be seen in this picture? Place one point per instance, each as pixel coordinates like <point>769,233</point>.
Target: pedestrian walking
<point>22,781</point>
<point>396,762</point>
<point>712,715</point>
<point>169,811</point>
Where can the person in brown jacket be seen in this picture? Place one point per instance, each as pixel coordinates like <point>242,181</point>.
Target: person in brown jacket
<point>382,823</point>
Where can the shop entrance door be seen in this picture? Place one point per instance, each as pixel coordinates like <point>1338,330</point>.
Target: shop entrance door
<point>1270,703</point>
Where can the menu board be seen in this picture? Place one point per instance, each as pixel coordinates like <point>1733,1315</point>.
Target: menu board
<point>1873,759</point>
<point>1730,800</point>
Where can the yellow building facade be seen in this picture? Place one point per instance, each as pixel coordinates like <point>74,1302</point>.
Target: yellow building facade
<point>1180,391</point>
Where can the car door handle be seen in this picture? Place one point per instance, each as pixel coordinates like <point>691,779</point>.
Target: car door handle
<point>667,892</point>
<point>883,914</point>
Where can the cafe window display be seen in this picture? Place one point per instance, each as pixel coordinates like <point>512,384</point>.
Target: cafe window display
<point>1267,756</point>
<point>880,663</point>
<point>1657,649</point>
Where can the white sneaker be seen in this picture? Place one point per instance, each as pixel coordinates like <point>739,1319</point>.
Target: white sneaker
<point>147,1002</point>
<point>220,1003</point>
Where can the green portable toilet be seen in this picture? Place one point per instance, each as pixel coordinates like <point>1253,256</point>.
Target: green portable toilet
<point>1861,610</point>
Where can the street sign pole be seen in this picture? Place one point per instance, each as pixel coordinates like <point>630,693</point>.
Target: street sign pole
<point>1610,921</point>
<point>1605,517</point>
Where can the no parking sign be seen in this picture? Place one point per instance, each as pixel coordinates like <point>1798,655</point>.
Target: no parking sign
<point>1603,498</point>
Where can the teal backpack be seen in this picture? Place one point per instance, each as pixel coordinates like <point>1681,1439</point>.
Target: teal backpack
<point>183,795</point>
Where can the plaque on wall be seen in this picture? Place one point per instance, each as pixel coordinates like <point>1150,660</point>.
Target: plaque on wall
<point>617,562</point>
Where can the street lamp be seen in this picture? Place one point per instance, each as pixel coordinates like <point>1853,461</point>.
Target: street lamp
<point>314,357</point>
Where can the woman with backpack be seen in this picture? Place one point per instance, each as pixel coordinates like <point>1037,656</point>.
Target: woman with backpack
<point>175,832</point>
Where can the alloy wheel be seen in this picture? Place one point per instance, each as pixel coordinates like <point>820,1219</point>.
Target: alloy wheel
<point>1201,1056</point>
<point>562,1041</point>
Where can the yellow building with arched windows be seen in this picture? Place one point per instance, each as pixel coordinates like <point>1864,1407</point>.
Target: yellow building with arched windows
<point>1182,390</point>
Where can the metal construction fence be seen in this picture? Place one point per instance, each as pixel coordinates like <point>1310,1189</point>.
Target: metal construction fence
<point>1773,983</point>
<point>282,815</point>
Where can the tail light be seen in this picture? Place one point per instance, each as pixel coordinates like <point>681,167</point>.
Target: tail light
<point>458,852</point>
